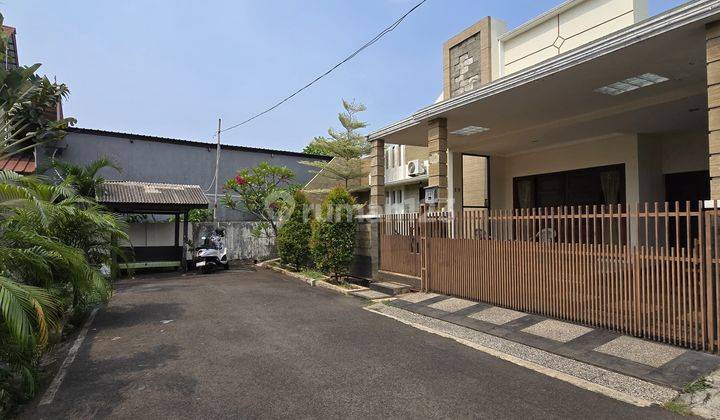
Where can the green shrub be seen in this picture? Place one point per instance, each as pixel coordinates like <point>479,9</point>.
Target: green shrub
<point>293,238</point>
<point>333,235</point>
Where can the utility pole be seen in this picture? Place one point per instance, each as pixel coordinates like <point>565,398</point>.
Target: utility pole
<point>217,167</point>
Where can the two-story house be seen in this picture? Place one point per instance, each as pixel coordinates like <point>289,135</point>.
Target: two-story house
<point>600,130</point>
<point>590,103</point>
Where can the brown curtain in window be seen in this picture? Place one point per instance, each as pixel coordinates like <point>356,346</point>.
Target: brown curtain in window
<point>610,183</point>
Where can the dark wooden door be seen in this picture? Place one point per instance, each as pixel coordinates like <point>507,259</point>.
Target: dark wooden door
<point>684,187</point>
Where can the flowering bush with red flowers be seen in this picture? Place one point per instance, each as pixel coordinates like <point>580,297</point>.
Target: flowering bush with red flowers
<point>263,191</point>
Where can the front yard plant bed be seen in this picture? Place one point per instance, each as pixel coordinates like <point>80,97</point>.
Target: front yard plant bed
<point>313,278</point>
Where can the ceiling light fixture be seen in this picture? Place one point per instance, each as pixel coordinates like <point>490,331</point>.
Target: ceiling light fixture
<point>469,130</point>
<point>632,83</point>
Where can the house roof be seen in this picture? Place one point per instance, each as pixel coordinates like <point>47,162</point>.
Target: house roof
<point>20,164</point>
<point>12,52</point>
<point>133,196</point>
<point>133,136</point>
<point>694,13</point>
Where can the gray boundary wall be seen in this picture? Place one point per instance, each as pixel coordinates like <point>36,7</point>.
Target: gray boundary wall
<point>367,248</point>
<point>239,238</point>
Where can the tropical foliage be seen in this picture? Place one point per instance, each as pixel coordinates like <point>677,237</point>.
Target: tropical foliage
<point>346,146</point>
<point>293,239</point>
<point>53,240</point>
<point>333,234</point>
<point>28,104</point>
<point>264,191</point>
<point>53,243</point>
<point>84,179</point>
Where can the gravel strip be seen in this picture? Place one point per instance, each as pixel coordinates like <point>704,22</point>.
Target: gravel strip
<point>636,389</point>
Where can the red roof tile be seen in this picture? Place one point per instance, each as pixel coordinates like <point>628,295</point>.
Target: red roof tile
<point>19,164</point>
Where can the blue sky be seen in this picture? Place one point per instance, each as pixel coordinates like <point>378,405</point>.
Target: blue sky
<point>172,67</point>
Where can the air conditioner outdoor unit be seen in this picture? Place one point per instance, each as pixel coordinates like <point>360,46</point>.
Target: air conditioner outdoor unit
<point>415,168</point>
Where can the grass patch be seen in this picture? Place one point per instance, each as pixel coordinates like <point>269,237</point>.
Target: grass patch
<point>700,385</point>
<point>677,408</point>
<point>313,274</point>
<point>316,275</point>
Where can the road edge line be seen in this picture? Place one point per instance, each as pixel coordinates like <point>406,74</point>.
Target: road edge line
<point>49,395</point>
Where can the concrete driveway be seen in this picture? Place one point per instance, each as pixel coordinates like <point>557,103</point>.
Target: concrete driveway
<point>258,344</point>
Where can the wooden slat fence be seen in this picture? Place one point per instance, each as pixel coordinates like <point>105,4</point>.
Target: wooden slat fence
<point>399,244</point>
<point>649,271</point>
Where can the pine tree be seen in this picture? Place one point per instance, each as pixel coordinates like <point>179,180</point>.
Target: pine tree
<point>346,146</point>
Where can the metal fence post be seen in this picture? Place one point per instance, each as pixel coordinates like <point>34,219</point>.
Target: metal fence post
<point>424,283</point>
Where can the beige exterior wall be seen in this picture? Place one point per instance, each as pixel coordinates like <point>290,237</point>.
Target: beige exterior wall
<point>415,152</point>
<point>647,158</point>
<point>487,51</point>
<point>569,26</point>
<point>619,149</point>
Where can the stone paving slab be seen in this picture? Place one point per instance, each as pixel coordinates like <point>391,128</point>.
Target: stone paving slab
<point>371,294</point>
<point>557,330</point>
<point>649,361</point>
<point>497,316</point>
<point>417,297</point>
<point>452,304</point>
<point>641,351</point>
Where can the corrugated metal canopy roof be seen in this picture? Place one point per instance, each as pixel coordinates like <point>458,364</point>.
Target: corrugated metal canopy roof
<point>133,195</point>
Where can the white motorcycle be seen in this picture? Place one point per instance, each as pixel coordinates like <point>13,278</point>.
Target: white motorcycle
<point>212,254</point>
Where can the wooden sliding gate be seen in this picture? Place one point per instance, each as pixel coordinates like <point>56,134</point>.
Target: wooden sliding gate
<point>400,244</point>
<point>649,271</point>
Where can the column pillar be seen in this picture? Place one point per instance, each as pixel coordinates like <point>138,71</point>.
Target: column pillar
<point>377,177</point>
<point>713,93</point>
<point>437,160</point>
<point>183,261</point>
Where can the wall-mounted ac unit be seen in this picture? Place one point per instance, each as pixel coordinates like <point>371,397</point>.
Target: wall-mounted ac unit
<point>415,168</point>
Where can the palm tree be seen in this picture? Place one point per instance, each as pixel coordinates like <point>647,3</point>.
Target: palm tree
<point>84,179</point>
<point>52,243</point>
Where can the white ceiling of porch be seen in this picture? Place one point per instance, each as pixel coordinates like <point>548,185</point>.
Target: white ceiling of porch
<point>564,107</point>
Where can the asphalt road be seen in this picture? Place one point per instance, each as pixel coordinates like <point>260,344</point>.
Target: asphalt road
<point>258,344</point>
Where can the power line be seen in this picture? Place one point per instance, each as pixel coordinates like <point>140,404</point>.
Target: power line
<point>333,68</point>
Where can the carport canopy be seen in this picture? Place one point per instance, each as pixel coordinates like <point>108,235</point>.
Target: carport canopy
<point>150,197</point>
<point>154,198</point>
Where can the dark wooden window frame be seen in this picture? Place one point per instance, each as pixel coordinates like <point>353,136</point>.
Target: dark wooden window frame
<point>568,174</point>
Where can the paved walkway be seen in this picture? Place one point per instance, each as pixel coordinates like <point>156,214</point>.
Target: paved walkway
<point>654,362</point>
<point>259,344</point>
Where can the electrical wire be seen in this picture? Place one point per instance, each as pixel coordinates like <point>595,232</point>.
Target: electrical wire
<point>333,68</point>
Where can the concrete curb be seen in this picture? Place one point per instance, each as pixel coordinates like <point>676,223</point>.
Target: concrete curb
<point>592,378</point>
<point>310,281</point>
